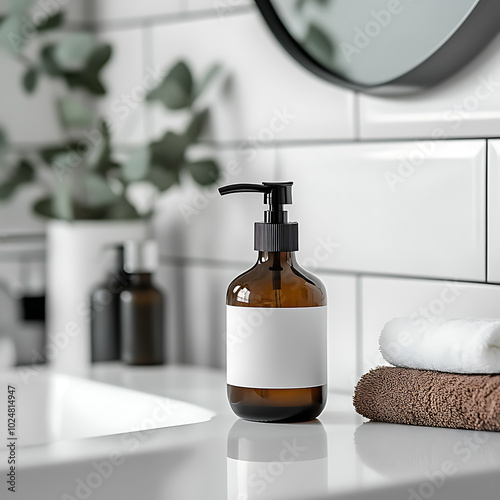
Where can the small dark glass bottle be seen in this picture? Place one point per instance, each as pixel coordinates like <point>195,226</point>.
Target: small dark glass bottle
<point>141,307</point>
<point>105,308</point>
<point>276,324</point>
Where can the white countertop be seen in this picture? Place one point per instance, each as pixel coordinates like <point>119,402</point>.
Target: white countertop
<point>226,458</point>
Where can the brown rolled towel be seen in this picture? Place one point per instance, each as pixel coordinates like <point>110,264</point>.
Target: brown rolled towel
<point>435,399</point>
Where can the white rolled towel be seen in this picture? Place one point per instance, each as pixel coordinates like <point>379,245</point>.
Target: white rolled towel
<point>453,345</point>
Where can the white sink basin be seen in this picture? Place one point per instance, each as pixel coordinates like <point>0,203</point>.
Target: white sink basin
<point>52,407</point>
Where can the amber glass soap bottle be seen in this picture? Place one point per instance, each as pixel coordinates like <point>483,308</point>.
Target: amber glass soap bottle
<point>141,307</point>
<point>276,323</point>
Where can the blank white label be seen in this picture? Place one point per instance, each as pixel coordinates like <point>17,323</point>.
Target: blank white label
<point>276,348</point>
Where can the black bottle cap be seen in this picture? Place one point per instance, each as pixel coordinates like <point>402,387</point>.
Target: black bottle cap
<point>275,234</point>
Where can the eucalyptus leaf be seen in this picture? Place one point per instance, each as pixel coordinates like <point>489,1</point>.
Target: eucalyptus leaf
<point>51,22</point>
<point>30,79</point>
<point>61,205</point>
<point>3,147</point>
<point>6,190</point>
<point>136,167</point>
<point>66,163</point>
<point>73,51</point>
<point>205,81</point>
<point>195,126</point>
<point>100,156</point>
<point>49,63</point>
<point>99,58</point>
<point>85,80</point>
<point>23,173</point>
<point>169,151</point>
<point>88,77</point>
<point>73,79</point>
<point>12,38</point>
<point>176,89</point>
<point>43,207</point>
<point>21,6</point>
<point>122,210</point>
<point>204,172</point>
<point>161,178</point>
<point>49,153</point>
<point>97,190</point>
<point>74,112</point>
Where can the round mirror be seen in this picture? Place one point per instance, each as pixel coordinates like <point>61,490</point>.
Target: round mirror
<point>383,45</point>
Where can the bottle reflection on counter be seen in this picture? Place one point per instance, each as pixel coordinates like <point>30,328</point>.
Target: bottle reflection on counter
<point>267,461</point>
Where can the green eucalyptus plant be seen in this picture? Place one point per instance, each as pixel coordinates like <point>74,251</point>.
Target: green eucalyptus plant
<point>86,180</point>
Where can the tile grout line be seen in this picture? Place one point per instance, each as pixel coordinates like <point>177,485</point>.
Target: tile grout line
<point>228,145</point>
<point>10,256</point>
<point>39,255</point>
<point>359,326</point>
<point>165,19</point>
<point>486,232</point>
<point>147,51</point>
<point>357,117</point>
<point>336,272</point>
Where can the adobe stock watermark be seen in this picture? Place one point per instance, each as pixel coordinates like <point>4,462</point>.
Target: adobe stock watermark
<point>269,472</point>
<point>408,164</point>
<point>128,101</point>
<point>92,140</point>
<point>245,328</point>
<point>455,116</point>
<point>465,449</point>
<point>365,34</point>
<point>223,7</point>
<point>424,317</point>
<point>325,247</point>
<point>248,151</point>
<point>42,10</point>
<point>102,470</point>
<point>420,319</point>
<point>74,155</point>
<point>435,308</point>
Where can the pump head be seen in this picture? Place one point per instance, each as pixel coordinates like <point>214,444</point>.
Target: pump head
<point>275,234</point>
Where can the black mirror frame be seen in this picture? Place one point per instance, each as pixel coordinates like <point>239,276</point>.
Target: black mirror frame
<point>477,31</point>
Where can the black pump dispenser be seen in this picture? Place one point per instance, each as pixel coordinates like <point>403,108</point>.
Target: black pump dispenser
<point>275,234</point>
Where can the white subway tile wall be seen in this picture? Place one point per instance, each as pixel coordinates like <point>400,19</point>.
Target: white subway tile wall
<point>494,211</point>
<point>411,208</point>
<point>385,222</point>
<point>342,329</point>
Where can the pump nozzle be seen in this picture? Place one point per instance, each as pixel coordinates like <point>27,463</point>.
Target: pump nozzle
<point>275,234</point>
<point>275,193</point>
<point>243,188</point>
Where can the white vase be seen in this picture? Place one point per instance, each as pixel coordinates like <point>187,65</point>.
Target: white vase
<point>75,265</point>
